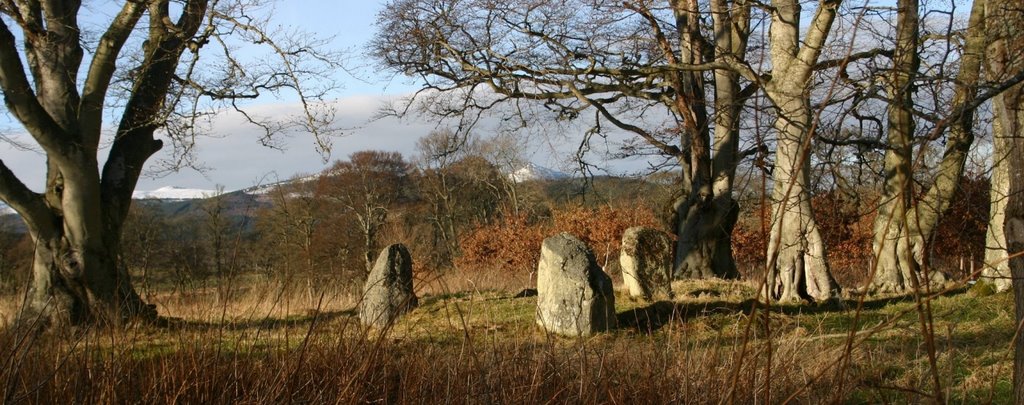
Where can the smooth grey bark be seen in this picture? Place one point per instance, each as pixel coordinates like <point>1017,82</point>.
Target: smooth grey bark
<point>1004,27</point>
<point>905,225</point>
<point>996,268</point>
<point>797,266</point>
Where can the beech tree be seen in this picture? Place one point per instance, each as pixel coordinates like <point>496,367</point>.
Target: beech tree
<point>623,62</point>
<point>1004,60</point>
<point>906,221</point>
<point>158,66</point>
<point>797,264</point>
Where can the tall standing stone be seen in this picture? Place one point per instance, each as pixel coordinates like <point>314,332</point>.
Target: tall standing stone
<point>388,291</point>
<point>646,259</point>
<point>574,296</point>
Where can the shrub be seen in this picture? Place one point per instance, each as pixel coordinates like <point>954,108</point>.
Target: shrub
<point>513,244</point>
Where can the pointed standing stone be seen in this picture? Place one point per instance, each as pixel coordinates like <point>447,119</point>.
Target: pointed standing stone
<point>388,291</point>
<point>574,296</point>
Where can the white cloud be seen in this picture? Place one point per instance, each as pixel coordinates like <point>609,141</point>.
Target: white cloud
<point>235,159</point>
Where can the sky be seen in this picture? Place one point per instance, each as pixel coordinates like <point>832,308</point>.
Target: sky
<point>233,158</point>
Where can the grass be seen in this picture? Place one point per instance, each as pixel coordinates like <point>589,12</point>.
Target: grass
<point>472,341</point>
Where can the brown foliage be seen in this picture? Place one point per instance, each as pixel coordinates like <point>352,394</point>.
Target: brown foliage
<point>749,240</point>
<point>848,233</point>
<point>960,235</point>
<point>602,228</point>
<point>514,243</point>
<point>846,224</point>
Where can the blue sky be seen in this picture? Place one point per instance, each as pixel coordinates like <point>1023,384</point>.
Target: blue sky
<point>350,23</point>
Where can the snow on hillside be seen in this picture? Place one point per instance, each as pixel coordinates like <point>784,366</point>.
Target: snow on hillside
<point>536,172</point>
<point>173,193</point>
<point>264,189</point>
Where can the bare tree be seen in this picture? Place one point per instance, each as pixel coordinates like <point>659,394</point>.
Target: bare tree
<point>1005,27</point>
<point>640,66</point>
<point>368,186</point>
<point>76,223</point>
<point>505,152</point>
<point>460,187</point>
<point>439,151</point>
<point>906,222</point>
<point>291,225</point>
<point>797,265</point>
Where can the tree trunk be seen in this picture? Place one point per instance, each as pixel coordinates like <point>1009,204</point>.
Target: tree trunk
<point>74,286</point>
<point>704,244</point>
<point>1004,36</point>
<point>997,266</point>
<point>898,244</point>
<point>905,225</point>
<point>797,264</point>
<point>1010,107</point>
<point>708,214</point>
<point>1014,227</point>
<point>1005,25</point>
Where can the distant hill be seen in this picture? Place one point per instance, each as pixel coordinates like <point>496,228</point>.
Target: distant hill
<point>173,193</point>
<point>533,172</point>
<point>242,205</point>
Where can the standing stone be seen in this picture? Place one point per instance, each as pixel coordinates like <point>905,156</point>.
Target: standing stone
<point>574,296</point>
<point>646,259</point>
<point>388,291</point>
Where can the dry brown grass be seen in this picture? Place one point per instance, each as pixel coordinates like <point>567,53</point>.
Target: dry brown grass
<point>259,298</point>
<point>456,280</point>
<point>471,341</point>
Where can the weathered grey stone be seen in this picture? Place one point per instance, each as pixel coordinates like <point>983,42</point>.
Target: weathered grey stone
<point>646,259</point>
<point>388,291</point>
<point>574,296</point>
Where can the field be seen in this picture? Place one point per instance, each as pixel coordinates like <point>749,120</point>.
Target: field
<point>472,341</point>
